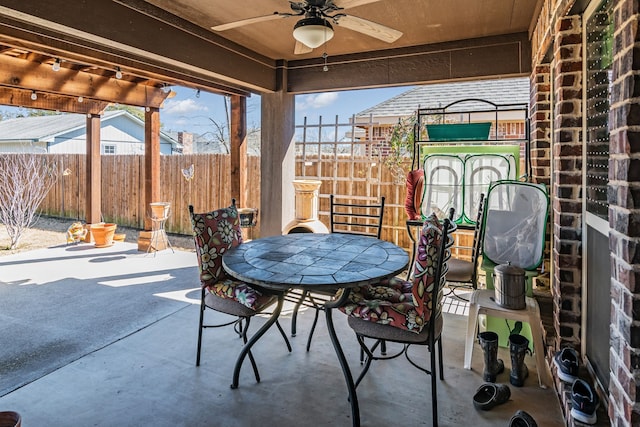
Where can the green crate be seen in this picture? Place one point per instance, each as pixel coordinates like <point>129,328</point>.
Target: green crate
<point>459,131</point>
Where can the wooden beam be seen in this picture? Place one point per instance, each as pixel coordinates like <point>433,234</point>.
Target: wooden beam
<point>21,39</point>
<point>24,74</point>
<point>151,161</point>
<point>47,101</point>
<point>111,29</point>
<point>238,137</point>
<point>497,56</point>
<point>94,171</point>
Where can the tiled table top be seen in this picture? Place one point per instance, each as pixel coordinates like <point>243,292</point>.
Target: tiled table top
<point>315,261</point>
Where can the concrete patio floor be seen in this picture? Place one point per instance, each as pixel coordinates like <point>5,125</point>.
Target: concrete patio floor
<point>107,337</point>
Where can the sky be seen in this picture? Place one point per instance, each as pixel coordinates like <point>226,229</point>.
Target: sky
<point>196,112</point>
<point>192,112</point>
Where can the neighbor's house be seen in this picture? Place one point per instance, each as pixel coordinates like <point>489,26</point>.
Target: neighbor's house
<point>120,133</point>
<point>500,91</point>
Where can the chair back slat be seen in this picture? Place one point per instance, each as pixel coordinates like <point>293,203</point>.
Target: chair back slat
<point>356,218</point>
<point>444,254</point>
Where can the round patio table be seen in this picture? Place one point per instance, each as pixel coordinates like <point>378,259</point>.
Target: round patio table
<point>314,262</point>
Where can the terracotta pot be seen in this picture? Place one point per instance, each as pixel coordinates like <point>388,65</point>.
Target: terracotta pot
<point>160,210</point>
<point>10,419</point>
<point>103,234</point>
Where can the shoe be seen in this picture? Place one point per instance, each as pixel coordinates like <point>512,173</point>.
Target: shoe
<point>519,347</point>
<point>566,360</point>
<point>522,419</point>
<point>584,402</point>
<point>492,365</point>
<point>490,395</point>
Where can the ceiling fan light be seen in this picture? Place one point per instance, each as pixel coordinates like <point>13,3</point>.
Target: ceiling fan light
<point>313,32</point>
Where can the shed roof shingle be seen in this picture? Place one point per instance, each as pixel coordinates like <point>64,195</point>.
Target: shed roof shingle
<point>500,91</point>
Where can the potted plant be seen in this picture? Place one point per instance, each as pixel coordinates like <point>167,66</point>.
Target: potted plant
<point>400,148</point>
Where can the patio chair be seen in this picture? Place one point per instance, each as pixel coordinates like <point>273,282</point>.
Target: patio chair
<point>406,312</point>
<point>345,218</point>
<point>463,273</point>
<point>214,233</point>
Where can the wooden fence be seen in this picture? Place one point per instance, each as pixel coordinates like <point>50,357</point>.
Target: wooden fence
<point>123,190</point>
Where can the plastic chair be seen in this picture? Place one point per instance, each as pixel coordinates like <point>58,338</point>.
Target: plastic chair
<point>346,218</point>
<point>215,233</point>
<point>429,280</point>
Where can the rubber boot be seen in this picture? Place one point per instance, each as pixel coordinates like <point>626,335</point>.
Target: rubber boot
<point>492,365</point>
<point>518,346</point>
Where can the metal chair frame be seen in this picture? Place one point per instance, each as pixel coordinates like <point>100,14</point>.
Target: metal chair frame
<point>429,337</point>
<point>345,218</point>
<point>242,314</point>
<point>476,251</point>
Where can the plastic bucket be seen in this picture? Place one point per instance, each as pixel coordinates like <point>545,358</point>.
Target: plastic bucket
<point>510,286</point>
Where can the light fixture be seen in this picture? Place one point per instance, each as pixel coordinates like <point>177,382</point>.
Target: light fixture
<point>80,99</point>
<point>118,73</point>
<point>56,65</point>
<point>34,95</point>
<point>313,32</point>
<point>198,93</point>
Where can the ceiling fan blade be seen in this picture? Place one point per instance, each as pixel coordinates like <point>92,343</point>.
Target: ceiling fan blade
<point>301,48</point>
<point>248,21</point>
<point>346,4</point>
<point>370,28</point>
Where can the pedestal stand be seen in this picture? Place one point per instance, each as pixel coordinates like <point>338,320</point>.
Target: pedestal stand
<point>158,239</point>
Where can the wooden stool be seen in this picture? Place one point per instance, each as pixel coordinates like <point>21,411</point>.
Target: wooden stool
<point>482,302</point>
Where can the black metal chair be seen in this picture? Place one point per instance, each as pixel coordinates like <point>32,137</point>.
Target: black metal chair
<point>215,233</point>
<point>346,218</point>
<point>430,334</point>
<point>464,273</point>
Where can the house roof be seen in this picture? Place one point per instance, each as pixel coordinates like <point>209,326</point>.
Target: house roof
<point>41,128</point>
<point>501,91</point>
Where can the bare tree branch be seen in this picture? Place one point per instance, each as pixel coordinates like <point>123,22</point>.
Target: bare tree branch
<point>24,182</point>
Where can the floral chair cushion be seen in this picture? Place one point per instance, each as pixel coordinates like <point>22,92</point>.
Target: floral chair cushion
<point>400,303</point>
<point>424,267</point>
<point>215,233</point>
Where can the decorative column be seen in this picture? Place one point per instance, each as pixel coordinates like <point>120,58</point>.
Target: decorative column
<point>277,157</point>
<point>567,181</point>
<point>540,130</point>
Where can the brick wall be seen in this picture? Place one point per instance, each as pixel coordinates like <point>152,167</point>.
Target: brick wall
<point>567,197</point>
<point>624,218</point>
<point>540,124</point>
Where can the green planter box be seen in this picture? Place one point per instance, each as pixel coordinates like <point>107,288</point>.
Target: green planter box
<point>459,131</point>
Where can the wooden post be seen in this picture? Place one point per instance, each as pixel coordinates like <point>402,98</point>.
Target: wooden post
<point>151,171</point>
<point>94,171</point>
<point>238,150</point>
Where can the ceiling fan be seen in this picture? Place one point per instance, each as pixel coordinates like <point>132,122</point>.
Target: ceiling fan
<point>315,28</point>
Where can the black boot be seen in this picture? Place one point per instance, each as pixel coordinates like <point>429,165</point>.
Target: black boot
<point>519,346</point>
<point>492,365</point>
